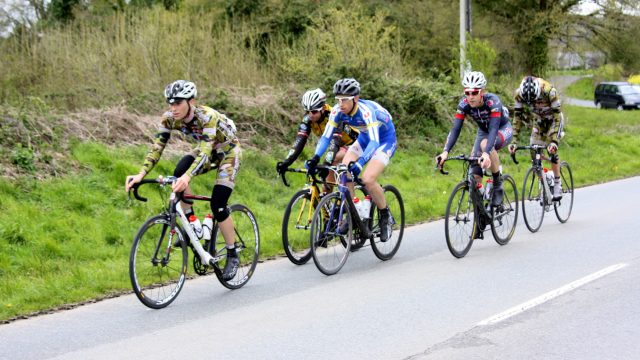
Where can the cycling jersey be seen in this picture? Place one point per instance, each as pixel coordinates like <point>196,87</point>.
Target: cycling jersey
<point>545,109</point>
<point>215,133</point>
<point>372,120</point>
<point>345,135</point>
<point>490,117</point>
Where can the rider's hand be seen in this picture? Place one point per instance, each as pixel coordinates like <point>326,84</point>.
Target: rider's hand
<point>484,161</point>
<point>132,180</point>
<point>440,159</point>
<point>281,167</point>
<point>312,163</point>
<point>181,184</point>
<point>552,148</point>
<point>512,148</point>
<point>355,168</point>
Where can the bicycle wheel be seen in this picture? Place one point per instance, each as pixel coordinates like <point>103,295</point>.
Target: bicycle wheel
<point>295,227</point>
<point>505,216</point>
<point>158,272</point>
<point>532,200</point>
<point>329,248</point>
<point>386,250</point>
<point>247,237</point>
<point>459,221</point>
<point>563,206</point>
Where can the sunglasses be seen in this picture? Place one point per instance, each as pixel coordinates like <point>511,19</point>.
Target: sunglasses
<point>344,98</point>
<point>472,93</point>
<point>312,112</point>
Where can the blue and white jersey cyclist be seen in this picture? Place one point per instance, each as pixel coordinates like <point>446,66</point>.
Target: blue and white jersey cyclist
<point>374,147</point>
<point>494,129</point>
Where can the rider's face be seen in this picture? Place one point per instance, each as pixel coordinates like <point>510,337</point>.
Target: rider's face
<point>180,108</point>
<point>474,97</point>
<point>346,103</point>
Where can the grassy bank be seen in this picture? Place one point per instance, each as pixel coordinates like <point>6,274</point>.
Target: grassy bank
<point>67,239</point>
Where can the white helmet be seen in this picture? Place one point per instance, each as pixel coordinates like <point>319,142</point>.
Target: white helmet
<point>313,100</point>
<point>180,89</point>
<point>529,89</point>
<point>474,80</point>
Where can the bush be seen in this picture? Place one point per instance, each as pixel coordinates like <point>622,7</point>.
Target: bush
<point>608,72</point>
<point>634,79</point>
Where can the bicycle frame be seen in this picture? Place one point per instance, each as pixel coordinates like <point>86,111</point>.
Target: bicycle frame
<point>536,164</point>
<point>314,195</point>
<point>345,197</point>
<point>474,195</point>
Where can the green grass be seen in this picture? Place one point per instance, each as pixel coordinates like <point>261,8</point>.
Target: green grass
<point>66,240</point>
<point>581,89</point>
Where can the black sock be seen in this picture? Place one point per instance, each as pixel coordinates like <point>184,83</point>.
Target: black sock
<point>232,252</point>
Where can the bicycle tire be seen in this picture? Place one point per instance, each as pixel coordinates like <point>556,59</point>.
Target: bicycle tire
<point>157,282</point>
<point>295,231</point>
<point>386,250</point>
<point>504,217</point>
<point>564,206</point>
<point>329,249</point>
<point>533,199</point>
<point>460,221</point>
<point>247,237</point>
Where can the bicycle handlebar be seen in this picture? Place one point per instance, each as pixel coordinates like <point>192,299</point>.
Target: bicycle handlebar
<point>459,157</point>
<point>162,181</point>
<point>534,147</point>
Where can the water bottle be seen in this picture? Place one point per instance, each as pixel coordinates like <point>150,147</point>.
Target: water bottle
<point>196,225</point>
<point>550,177</point>
<point>480,189</point>
<point>207,226</point>
<point>487,189</point>
<point>358,205</point>
<point>366,207</point>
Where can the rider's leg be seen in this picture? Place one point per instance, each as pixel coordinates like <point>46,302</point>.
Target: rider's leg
<point>349,157</point>
<point>183,165</point>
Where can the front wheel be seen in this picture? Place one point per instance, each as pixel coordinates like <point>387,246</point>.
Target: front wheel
<point>459,221</point>
<point>247,243</point>
<point>563,206</point>
<point>331,234</point>
<point>295,227</point>
<point>386,250</point>
<point>158,262</point>
<point>533,200</point>
<point>505,216</point>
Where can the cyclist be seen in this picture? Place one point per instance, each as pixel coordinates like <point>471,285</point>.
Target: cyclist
<point>543,102</point>
<point>375,145</point>
<point>217,146</point>
<point>494,129</point>
<point>314,103</point>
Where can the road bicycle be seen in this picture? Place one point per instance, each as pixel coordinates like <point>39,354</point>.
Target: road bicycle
<point>537,191</point>
<point>469,210</point>
<point>330,247</point>
<point>159,253</point>
<point>296,222</point>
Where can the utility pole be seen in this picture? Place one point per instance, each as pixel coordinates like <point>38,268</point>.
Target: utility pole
<point>465,27</point>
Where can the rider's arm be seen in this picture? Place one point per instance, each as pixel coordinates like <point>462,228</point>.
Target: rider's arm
<point>206,146</point>
<point>159,142</point>
<point>300,142</point>
<point>518,113</point>
<point>373,130</point>
<point>327,135</point>
<point>495,116</point>
<point>458,120</point>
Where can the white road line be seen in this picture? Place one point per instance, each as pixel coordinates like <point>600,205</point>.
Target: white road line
<point>550,295</point>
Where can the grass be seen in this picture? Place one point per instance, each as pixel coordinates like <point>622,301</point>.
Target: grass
<point>581,89</point>
<point>67,239</point>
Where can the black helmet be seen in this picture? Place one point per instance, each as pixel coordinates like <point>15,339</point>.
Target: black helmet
<point>348,86</point>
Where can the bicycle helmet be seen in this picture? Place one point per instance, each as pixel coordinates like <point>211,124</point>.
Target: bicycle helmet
<point>474,80</point>
<point>529,89</point>
<point>180,89</point>
<point>313,100</point>
<point>348,86</point>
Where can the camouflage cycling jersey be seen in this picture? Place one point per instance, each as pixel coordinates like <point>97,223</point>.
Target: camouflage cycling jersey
<point>544,110</point>
<point>214,132</point>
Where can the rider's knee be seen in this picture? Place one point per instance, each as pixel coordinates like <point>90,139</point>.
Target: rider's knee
<point>219,201</point>
<point>555,158</point>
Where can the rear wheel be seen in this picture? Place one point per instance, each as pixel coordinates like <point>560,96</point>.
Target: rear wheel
<point>532,201</point>
<point>386,250</point>
<point>247,243</point>
<point>296,224</point>
<point>158,262</point>
<point>598,105</point>
<point>505,216</point>
<point>620,107</point>
<point>459,221</point>
<point>563,206</point>
<point>329,247</point>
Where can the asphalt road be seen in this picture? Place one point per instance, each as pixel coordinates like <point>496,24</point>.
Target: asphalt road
<point>421,304</point>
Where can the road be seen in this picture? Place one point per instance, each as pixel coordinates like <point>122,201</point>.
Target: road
<point>561,82</point>
<point>422,304</point>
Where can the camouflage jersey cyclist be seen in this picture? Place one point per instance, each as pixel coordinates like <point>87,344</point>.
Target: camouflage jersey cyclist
<point>314,103</point>
<point>218,146</point>
<point>543,102</point>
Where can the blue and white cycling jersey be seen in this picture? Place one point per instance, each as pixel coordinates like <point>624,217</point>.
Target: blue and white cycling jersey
<point>372,120</point>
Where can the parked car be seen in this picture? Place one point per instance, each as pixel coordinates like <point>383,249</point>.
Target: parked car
<point>617,95</point>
